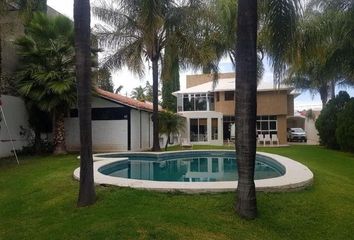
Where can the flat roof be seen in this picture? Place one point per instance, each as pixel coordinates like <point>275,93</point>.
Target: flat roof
<point>228,84</point>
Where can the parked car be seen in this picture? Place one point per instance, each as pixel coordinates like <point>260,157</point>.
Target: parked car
<point>296,134</point>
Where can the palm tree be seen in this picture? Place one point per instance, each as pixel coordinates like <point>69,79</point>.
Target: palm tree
<point>246,106</point>
<point>278,26</point>
<point>47,76</point>
<point>170,123</point>
<point>138,93</point>
<point>82,19</point>
<point>140,30</point>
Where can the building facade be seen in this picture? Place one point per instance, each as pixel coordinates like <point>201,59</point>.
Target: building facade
<point>210,109</point>
<point>119,123</point>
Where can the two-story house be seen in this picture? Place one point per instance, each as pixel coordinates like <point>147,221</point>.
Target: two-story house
<point>210,108</point>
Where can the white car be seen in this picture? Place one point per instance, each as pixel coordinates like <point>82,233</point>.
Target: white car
<point>296,134</point>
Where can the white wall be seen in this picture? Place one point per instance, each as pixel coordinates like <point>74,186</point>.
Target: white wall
<point>16,116</point>
<point>311,132</point>
<point>135,129</point>
<point>107,135</point>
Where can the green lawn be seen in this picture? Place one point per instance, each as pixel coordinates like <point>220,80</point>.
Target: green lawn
<point>37,201</point>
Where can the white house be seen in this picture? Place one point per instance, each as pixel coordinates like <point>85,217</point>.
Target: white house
<point>119,123</point>
<point>210,109</point>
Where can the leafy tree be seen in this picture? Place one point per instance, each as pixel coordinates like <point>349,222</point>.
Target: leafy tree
<point>326,123</point>
<point>345,127</point>
<point>104,79</point>
<point>82,19</point>
<point>138,93</point>
<point>141,30</point>
<point>170,124</point>
<point>24,9</point>
<point>118,89</point>
<point>149,92</point>
<point>47,74</point>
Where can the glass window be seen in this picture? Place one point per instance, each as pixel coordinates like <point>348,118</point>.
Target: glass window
<point>267,125</point>
<point>217,96</point>
<point>214,129</point>
<point>229,96</point>
<point>215,165</point>
<point>198,130</point>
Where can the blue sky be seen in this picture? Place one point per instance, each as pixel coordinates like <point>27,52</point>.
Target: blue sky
<point>129,81</point>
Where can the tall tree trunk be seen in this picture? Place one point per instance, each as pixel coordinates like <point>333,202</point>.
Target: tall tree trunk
<point>37,140</point>
<point>59,133</point>
<point>87,195</point>
<point>155,101</point>
<point>246,107</point>
<point>323,90</point>
<point>167,142</point>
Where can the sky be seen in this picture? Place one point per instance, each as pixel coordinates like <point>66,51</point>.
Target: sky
<point>129,81</point>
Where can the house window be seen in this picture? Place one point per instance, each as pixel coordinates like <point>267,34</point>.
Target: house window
<point>267,125</point>
<point>118,113</point>
<point>217,96</point>
<point>229,96</point>
<point>214,129</point>
<point>198,102</point>
<point>198,130</point>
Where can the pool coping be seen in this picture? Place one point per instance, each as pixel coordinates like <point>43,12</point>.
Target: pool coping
<point>296,177</point>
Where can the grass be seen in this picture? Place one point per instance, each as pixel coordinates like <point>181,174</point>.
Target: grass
<point>37,201</point>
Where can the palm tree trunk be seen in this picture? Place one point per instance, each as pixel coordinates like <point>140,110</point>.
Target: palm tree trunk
<point>37,140</point>
<point>59,133</point>
<point>246,107</point>
<point>168,140</point>
<point>87,195</point>
<point>323,90</point>
<point>155,90</point>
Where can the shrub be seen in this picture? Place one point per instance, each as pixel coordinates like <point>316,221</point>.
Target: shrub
<point>326,123</point>
<point>345,127</point>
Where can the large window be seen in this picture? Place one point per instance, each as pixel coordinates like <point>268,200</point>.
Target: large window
<point>197,102</point>
<point>267,125</point>
<point>198,130</point>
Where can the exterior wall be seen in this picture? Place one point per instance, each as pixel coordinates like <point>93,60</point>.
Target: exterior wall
<point>225,107</point>
<point>272,102</point>
<point>194,80</point>
<point>12,29</point>
<point>112,135</point>
<point>276,102</point>
<point>281,125</point>
<point>311,132</point>
<point>16,115</point>
<point>146,133</point>
<point>291,105</point>
<point>209,116</point>
<point>107,136</point>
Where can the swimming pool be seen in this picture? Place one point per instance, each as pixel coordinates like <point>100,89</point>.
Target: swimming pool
<point>195,171</point>
<point>188,167</point>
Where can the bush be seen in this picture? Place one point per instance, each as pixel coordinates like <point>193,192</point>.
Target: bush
<point>345,127</point>
<point>326,123</point>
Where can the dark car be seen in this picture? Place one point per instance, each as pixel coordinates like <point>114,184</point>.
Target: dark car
<point>296,134</point>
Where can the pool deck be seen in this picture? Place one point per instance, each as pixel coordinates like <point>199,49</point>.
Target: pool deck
<point>296,177</point>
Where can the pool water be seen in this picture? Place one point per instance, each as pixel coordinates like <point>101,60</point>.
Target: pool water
<point>201,167</point>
